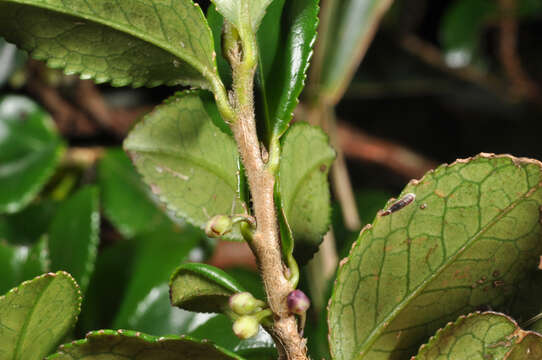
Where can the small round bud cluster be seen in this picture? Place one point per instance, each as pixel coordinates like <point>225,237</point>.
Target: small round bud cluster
<point>298,302</point>
<point>250,310</point>
<point>246,326</point>
<point>218,225</point>
<point>244,303</point>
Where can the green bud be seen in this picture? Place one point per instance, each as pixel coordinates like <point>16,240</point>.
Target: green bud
<point>219,225</point>
<point>244,303</point>
<point>246,326</point>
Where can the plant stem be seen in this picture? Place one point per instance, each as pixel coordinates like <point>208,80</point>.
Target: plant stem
<point>265,242</point>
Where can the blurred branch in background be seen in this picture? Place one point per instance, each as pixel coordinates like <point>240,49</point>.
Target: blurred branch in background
<point>522,84</point>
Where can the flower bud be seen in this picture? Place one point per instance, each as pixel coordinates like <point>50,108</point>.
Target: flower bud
<point>219,225</point>
<point>243,303</point>
<point>246,326</point>
<point>298,302</point>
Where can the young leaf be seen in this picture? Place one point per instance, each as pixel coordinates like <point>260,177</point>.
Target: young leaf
<point>35,316</point>
<point>122,191</point>
<point>157,255</point>
<point>467,240</point>
<point>285,44</point>
<point>74,235</point>
<point>243,13</point>
<point>125,43</point>
<point>187,161</point>
<point>30,149</point>
<point>21,262</point>
<point>202,288</point>
<point>126,344</point>
<point>352,28</point>
<point>487,335</point>
<point>304,189</point>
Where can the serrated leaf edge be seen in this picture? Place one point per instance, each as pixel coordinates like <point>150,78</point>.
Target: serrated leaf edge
<point>519,334</point>
<point>133,156</point>
<point>139,335</point>
<point>55,64</point>
<point>344,261</point>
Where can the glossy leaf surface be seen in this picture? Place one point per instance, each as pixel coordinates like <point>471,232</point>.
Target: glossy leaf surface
<point>187,161</point>
<point>35,316</point>
<point>74,235</point>
<point>467,240</point>
<point>19,263</point>
<point>122,192</point>
<point>304,189</point>
<point>126,43</point>
<point>202,288</point>
<point>10,60</point>
<point>145,305</point>
<point>14,227</point>
<point>285,43</point>
<point>131,345</point>
<point>352,28</point>
<point>482,336</point>
<point>30,149</point>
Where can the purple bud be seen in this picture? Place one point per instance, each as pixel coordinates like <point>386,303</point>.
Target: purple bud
<point>298,302</point>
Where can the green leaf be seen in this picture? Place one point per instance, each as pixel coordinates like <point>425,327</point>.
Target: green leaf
<point>14,227</point>
<point>126,43</point>
<point>131,345</point>
<point>243,13</point>
<point>35,316</point>
<point>30,149</point>
<point>351,30</point>
<point>74,235</point>
<point>285,42</point>
<point>218,329</point>
<point>144,307</point>
<point>107,286</point>
<point>187,161</point>
<point>202,288</point>
<point>123,192</point>
<point>304,189</point>
<point>216,21</point>
<point>20,263</point>
<point>467,240</point>
<point>486,335</point>
<point>461,29</point>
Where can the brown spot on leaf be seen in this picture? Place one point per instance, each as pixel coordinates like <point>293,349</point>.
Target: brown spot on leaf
<point>323,168</point>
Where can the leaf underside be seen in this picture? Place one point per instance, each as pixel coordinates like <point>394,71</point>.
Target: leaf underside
<point>202,288</point>
<point>131,345</point>
<point>187,161</point>
<point>482,336</point>
<point>467,240</point>
<point>304,189</point>
<point>127,42</point>
<point>243,13</point>
<point>35,316</point>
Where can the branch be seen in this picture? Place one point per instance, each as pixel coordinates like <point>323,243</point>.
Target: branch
<point>522,85</point>
<point>265,241</point>
<point>357,144</point>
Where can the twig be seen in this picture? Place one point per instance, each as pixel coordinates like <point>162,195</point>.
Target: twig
<point>359,145</point>
<point>432,56</point>
<point>522,84</point>
<point>265,242</point>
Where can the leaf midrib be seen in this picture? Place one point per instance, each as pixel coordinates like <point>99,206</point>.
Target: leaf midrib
<point>202,68</point>
<point>375,334</point>
<point>27,321</point>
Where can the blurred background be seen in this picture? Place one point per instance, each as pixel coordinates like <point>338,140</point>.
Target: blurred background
<point>438,80</point>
